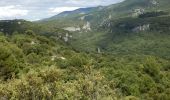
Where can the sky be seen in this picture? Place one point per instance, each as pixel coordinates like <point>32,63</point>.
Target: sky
<point>38,9</point>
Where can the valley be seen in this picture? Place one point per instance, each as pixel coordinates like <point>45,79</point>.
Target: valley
<point>115,52</point>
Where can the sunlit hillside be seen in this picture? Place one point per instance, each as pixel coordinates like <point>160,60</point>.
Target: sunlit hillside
<point>115,51</point>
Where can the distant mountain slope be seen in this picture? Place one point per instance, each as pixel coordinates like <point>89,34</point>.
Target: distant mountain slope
<point>87,19</point>
<point>10,26</point>
<point>68,14</point>
<point>115,25</point>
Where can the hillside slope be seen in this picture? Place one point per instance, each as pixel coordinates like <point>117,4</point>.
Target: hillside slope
<point>37,66</point>
<point>118,52</point>
<point>98,15</point>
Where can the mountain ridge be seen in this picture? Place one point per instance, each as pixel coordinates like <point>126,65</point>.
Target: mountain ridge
<point>81,11</point>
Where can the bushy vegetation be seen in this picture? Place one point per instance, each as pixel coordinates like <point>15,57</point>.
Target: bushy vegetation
<point>53,83</point>
<point>36,67</point>
<point>137,62</point>
<point>120,59</point>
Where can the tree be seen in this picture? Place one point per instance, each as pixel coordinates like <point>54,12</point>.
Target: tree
<point>30,32</point>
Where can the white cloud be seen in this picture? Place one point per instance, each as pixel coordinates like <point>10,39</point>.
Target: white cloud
<point>12,11</point>
<point>39,9</point>
<point>61,9</point>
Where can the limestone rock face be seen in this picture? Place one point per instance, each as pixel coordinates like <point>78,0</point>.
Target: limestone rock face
<point>110,16</point>
<point>137,12</point>
<point>82,18</point>
<point>67,37</point>
<point>87,26</point>
<point>64,36</point>
<point>154,2</point>
<point>141,28</point>
<point>98,50</point>
<point>72,29</point>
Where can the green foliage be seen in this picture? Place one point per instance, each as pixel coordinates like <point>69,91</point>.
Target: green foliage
<point>38,67</point>
<point>30,32</point>
<point>35,64</point>
<point>78,61</point>
<point>10,60</point>
<point>152,67</point>
<point>48,84</point>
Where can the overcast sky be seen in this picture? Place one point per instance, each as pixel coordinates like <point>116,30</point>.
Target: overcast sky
<point>38,9</point>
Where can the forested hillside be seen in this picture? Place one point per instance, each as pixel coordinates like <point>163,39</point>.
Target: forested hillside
<point>39,67</point>
<point>115,52</point>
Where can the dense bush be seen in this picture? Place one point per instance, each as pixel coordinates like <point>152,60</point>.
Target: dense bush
<point>78,61</point>
<point>49,84</point>
<point>10,60</point>
<point>38,67</point>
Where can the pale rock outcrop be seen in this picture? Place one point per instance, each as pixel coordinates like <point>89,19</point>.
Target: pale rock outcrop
<point>57,57</point>
<point>141,28</point>
<point>154,2</point>
<point>137,12</point>
<point>62,58</point>
<point>66,37</point>
<point>73,29</point>
<point>98,50</point>
<point>82,18</point>
<point>32,43</point>
<point>19,23</point>
<point>110,16</point>
<point>82,13</point>
<point>87,26</point>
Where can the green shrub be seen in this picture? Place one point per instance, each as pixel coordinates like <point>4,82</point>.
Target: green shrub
<point>78,60</point>
<point>10,61</point>
<point>151,67</point>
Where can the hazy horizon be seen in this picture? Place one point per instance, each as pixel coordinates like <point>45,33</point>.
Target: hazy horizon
<point>39,9</point>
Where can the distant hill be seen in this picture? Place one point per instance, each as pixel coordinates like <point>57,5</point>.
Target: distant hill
<point>97,15</point>
<point>18,25</point>
<point>68,14</point>
<point>86,19</point>
<point>99,25</point>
